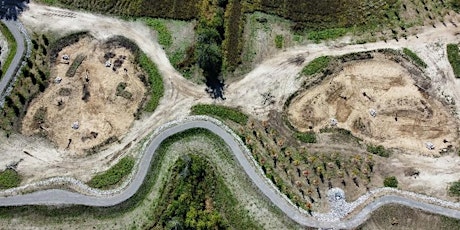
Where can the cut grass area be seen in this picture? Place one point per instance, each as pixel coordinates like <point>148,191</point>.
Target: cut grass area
<point>9,179</point>
<point>155,80</point>
<point>415,58</point>
<point>454,58</point>
<point>114,175</point>
<point>164,35</point>
<point>221,112</point>
<point>316,66</point>
<point>12,48</point>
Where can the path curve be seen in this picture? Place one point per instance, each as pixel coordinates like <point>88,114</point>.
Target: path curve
<point>13,27</point>
<point>59,197</point>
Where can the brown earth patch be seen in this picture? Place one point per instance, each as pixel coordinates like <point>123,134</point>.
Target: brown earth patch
<point>94,97</point>
<point>407,115</point>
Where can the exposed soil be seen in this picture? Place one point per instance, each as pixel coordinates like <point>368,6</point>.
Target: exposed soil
<point>89,98</point>
<point>407,116</point>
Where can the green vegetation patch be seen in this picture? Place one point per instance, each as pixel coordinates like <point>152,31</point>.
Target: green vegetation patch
<point>415,58</point>
<point>122,92</point>
<point>378,150</point>
<point>221,112</point>
<point>12,45</point>
<point>279,41</point>
<point>308,137</point>
<point>155,80</point>
<point>316,66</point>
<point>391,182</point>
<point>454,58</point>
<point>114,175</point>
<point>326,34</point>
<point>9,178</point>
<point>75,64</point>
<point>164,35</point>
<point>454,189</point>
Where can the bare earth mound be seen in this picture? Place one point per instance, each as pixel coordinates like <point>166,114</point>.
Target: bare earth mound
<point>406,116</point>
<point>94,106</point>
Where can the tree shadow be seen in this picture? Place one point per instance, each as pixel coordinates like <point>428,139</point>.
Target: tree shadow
<point>10,9</point>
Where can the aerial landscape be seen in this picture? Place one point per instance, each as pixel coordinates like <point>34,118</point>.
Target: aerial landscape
<point>229,114</point>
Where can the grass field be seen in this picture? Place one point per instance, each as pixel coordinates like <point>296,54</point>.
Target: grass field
<point>415,58</point>
<point>316,66</point>
<point>221,112</point>
<point>9,179</point>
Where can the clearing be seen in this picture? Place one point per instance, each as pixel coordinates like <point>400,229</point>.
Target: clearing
<point>93,107</point>
<point>406,115</point>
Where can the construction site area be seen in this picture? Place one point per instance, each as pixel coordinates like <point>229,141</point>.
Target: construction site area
<point>381,102</point>
<point>92,100</point>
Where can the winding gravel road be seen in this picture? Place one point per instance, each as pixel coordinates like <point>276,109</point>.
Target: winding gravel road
<point>58,197</point>
<point>20,50</point>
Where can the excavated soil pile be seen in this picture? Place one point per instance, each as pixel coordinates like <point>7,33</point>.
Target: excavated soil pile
<point>88,104</point>
<point>379,101</point>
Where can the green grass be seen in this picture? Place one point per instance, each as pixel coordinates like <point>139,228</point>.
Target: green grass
<point>221,112</point>
<point>391,182</point>
<point>308,137</point>
<point>12,48</point>
<point>378,150</point>
<point>327,34</point>
<point>454,189</point>
<point>155,80</point>
<point>9,179</point>
<point>279,41</point>
<point>454,58</point>
<point>317,65</point>
<point>164,35</point>
<point>114,175</point>
<point>415,58</point>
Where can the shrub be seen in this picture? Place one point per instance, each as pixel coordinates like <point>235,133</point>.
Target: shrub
<point>454,58</point>
<point>391,182</point>
<point>221,112</point>
<point>317,65</point>
<point>114,175</point>
<point>9,178</point>
<point>378,150</point>
<point>454,189</point>
<point>308,137</point>
<point>279,41</point>
<point>415,58</point>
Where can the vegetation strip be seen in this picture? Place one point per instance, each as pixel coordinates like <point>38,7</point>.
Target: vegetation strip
<point>454,58</point>
<point>113,175</point>
<point>12,48</point>
<point>316,66</point>
<point>415,58</point>
<point>9,178</point>
<point>221,112</point>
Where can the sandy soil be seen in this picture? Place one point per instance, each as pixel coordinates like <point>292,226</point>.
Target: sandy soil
<point>103,115</point>
<point>276,75</point>
<point>406,117</point>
